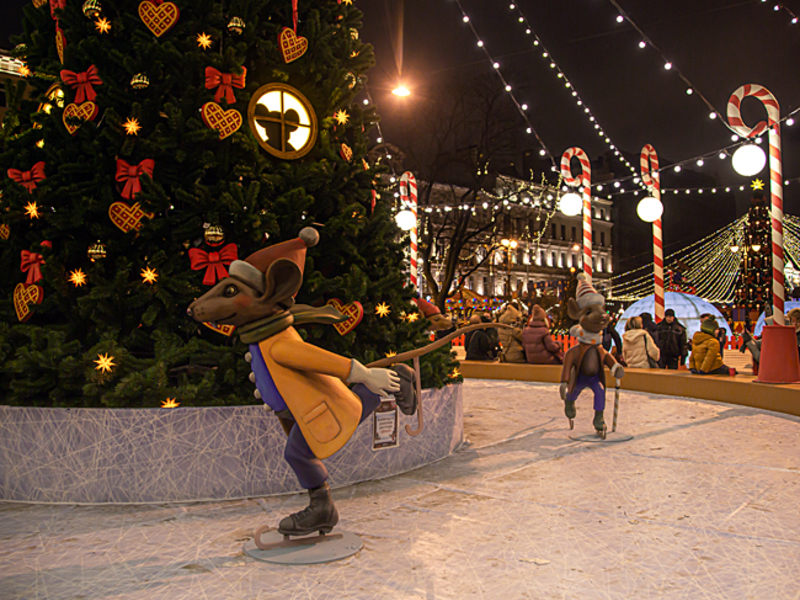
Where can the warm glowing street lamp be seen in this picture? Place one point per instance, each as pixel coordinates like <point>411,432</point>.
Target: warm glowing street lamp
<point>401,90</point>
<point>748,160</point>
<point>509,245</point>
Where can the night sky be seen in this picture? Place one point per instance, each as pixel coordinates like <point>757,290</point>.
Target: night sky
<point>718,45</point>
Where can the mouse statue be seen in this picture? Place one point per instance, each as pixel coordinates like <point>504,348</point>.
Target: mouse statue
<point>437,321</point>
<point>306,386</point>
<point>583,363</point>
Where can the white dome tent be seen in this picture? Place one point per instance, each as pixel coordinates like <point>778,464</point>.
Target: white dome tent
<point>687,307</point>
<point>787,306</point>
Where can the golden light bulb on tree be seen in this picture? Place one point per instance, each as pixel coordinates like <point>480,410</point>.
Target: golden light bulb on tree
<point>571,204</point>
<point>649,209</point>
<point>749,160</point>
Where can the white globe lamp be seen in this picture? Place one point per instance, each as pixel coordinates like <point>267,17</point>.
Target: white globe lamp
<point>649,209</point>
<point>748,160</point>
<point>571,204</point>
<point>405,220</point>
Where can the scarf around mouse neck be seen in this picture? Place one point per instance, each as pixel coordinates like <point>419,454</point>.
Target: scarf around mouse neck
<point>586,337</point>
<point>299,314</point>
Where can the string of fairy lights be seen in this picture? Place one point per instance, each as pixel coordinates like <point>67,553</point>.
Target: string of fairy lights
<point>779,7</point>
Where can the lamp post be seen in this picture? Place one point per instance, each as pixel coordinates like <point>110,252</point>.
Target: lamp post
<point>509,245</point>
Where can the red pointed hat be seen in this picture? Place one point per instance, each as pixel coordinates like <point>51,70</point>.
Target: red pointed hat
<point>427,309</point>
<point>252,269</point>
<point>585,294</point>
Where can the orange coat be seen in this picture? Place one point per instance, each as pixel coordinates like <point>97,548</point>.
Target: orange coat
<point>311,382</point>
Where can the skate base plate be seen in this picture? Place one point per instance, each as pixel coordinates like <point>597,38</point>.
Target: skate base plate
<point>309,550</point>
<point>611,437</point>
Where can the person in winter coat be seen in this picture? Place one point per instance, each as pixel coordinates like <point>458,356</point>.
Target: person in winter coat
<point>638,345</point>
<point>649,326</point>
<point>482,345</point>
<point>671,341</point>
<point>610,336</point>
<point>540,347</point>
<point>705,358</point>
<point>511,339</point>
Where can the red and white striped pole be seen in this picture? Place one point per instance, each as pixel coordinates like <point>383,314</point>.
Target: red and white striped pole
<point>408,199</point>
<point>584,180</point>
<point>649,166</point>
<point>776,177</point>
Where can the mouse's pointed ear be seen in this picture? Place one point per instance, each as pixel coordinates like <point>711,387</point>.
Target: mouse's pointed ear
<point>573,310</point>
<point>283,282</point>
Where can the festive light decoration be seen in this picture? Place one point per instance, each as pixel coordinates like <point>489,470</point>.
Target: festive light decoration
<point>455,374</point>
<point>757,185</point>
<point>77,278</point>
<point>571,204</point>
<point>341,117</point>
<point>131,126</point>
<point>102,25</point>
<point>214,235</point>
<point>91,8</point>
<point>391,353</point>
<point>236,25</point>
<point>411,317</point>
<point>204,41</point>
<point>749,160</point>
<point>140,81</point>
<point>149,275</point>
<point>282,120</point>
<point>24,71</point>
<point>382,309</point>
<point>584,180</point>
<point>649,209</point>
<point>32,210</point>
<point>105,363</point>
<point>170,403</point>
<point>401,91</point>
<point>96,252</point>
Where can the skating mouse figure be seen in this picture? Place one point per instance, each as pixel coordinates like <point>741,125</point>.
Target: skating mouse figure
<point>583,363</point>
<point>304,385</point>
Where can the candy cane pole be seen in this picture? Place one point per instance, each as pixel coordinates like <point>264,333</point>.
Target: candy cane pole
<point>584,180</point>
<point>775,174</point>
<point>408,197</point>
<point>649,166</point>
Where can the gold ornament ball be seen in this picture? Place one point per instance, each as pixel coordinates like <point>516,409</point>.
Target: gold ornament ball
<point>140,81</point>
<point>214,235</point>
<point>96,252</point>
<point>91,8</point>
<point>236,26</point>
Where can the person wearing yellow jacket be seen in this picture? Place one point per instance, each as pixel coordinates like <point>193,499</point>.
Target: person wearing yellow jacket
<point>705,358</point>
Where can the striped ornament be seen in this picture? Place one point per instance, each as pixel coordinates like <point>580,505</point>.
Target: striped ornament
<point>650,176</point>
<point>408,199</point>
<point>775,174</point>
<point>585,181</point>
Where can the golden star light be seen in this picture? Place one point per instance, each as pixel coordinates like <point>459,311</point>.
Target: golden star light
<point>24,71</point>
<point>170,403</point>
<point>103,25</point>
<point>391,354</point>
<point>382,309</point>
<point>77,278</point>
<point>757,184</point>
<point>455,374</point>
<point>149,275</point>
<point>413,317</point>
<point>32,210</point>
<point>204,40</point>
<point>341,116</point>
<point>348,2</point>
<point>131,126</point>
<point>104,363</point>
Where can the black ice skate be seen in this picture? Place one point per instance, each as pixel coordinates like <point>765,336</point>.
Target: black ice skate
<point>319,516</point>
<point>570,411</point>
<point>406,398</point>
<point>599,423</point>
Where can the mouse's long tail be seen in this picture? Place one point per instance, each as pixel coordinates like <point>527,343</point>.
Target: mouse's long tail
<point>385,362</point>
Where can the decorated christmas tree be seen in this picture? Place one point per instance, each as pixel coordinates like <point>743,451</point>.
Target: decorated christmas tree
<point>754,282</point>
<point>158,142</point>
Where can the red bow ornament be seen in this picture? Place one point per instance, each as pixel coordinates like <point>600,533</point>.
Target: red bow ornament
<point>224,82</point>
<point>129,174</point>
<point>213,262</point>
<point>82,82</point>
<point>54,4</point>
<point>28,179</point>
<point>30,264</point>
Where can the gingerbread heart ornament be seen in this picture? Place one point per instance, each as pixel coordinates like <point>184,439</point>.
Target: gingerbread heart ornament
<point>292,47</point>
<point>26,295</point>
<point>127,217</point>
<point>227,122</point>
<point>353,311</point>
<point>159,18</point>
<point>86,111</point>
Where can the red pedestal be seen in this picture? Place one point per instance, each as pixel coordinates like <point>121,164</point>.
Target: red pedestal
<point>779,359</point>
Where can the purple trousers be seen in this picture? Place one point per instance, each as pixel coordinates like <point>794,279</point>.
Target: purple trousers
<point>309,469</point>
<point>596,386</point>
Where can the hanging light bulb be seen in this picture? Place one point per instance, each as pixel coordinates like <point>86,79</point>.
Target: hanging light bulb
<point>749,160</point>
<point>571,204</point>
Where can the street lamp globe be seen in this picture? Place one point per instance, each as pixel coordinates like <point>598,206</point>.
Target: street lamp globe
<point>749,160</point>
<point>649,209</point>
<point>571,204</point>
<point>405,220</point>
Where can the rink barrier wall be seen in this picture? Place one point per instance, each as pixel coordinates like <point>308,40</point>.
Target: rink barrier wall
<point>740,389</point>
<point>94,455</point>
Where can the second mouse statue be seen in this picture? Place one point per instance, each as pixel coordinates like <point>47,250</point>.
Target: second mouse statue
<point>306,386</point>
<point>583,363</point>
